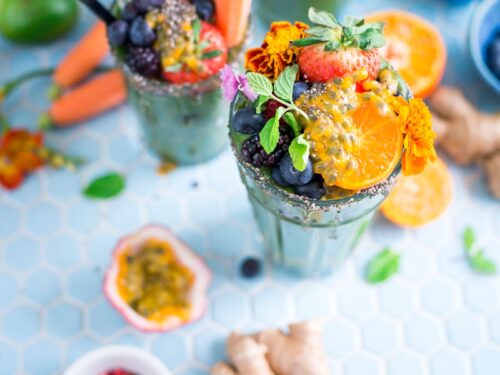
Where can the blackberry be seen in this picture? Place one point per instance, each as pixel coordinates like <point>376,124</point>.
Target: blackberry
<point>143,60</point>
<point>253,153</point>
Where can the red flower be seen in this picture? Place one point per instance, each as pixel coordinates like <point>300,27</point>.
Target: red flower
<point>19,155</point>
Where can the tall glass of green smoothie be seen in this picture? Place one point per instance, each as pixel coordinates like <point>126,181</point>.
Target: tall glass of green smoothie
<point>321,127</point>
<point>293,10</point>
<point>171,53</point>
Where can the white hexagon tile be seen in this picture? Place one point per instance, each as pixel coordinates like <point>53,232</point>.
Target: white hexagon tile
<point>435,317</point>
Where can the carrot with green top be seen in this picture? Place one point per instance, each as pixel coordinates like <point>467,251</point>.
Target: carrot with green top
<point>81,60</point>
<point>99,95</point>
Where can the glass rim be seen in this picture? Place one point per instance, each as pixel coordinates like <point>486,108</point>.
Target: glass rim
<point>296,199</point>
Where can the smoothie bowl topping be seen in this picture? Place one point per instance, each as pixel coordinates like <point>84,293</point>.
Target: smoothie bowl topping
<point>177,41</point>
<point>331,117</point>
<point>156,282</point>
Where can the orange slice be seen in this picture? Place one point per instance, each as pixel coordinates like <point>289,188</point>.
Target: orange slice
<point>415,48</point>
<point>232,19</point>
<point>377,150</point>
<point>420,199</point>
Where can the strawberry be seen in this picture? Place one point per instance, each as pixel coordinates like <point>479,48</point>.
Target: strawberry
<point>332,49</point>
<point>318,65</point>
<point>209,66</point>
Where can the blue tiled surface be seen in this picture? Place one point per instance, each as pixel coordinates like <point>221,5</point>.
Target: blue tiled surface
<point>435,317</point>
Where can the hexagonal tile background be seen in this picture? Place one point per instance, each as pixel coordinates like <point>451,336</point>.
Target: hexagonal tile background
<point>435,317</point>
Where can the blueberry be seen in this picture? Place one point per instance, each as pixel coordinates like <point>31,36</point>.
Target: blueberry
<point>117,33</point>
<point>493,56</point>
<point>314,189</point>
<point>141,34</point>
<point>250,267</point>
<point>129,12</point>
<point>247,121</point>
<point>144,6</point>
<point>278,178</point>
<point>299,88</point>
<point>292,175</point>
<point>204,9</point>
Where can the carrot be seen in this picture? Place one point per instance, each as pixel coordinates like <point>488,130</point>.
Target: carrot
<point>86,101</point>
<point>232,19</point>
<point>81,60</point>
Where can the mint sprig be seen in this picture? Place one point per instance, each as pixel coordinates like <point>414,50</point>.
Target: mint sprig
<point>476,257</point>
<point>282,92</point>
<point>384,265</point>
<point>299,152</point>
<point>354,32</point>
<point>106,186</point>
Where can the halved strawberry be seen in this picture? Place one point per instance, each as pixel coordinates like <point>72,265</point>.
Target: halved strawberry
<point>318,65</point>
<point>210,66</point>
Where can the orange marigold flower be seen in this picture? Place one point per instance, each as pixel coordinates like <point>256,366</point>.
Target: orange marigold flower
<point>277,52</point>
<point>19,155</point>
<point>416,126</point>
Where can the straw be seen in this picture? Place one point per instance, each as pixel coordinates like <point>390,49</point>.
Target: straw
<point>99,10</point>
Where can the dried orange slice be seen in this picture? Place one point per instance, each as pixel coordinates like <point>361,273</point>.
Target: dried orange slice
<point>420,199</point>
<point>415,48</point>
<point>377,147</point>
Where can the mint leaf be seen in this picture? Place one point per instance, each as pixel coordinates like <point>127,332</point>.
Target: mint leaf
<point>261,100</point>
<point>292,121</point>
<point>260,84</point>
<point>382,266</point>
<point>323,18</point>
<point>105,187</point>
<point>469,238</point>
<point>283,86</point>
<point>483,265</point>
<point>196,30</point>
<point>299,152</point>
<point>211,54</point>
<point>270,133</point>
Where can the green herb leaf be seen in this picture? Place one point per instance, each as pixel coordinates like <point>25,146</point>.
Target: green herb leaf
<point>173,68</point>
<point>106,186</point>
<point>260,84</point>
<point>292,121</point>
<point>383,266</point>
<point>270,133</point>
<point>259,103</point>
<point>306,42</point>
<point>469,237</point>
<point>211,54</point>
<point>196,30</point>
<point>323,18</point>
<point>283,86</point>
<point>481,264</point>
<point>299,152</point>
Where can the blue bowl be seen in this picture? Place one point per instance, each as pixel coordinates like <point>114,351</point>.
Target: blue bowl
<point>485,23</point>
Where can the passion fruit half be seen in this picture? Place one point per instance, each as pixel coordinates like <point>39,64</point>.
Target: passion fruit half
<point>184,257</point>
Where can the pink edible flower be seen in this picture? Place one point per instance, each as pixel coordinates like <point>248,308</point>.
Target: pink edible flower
<point>232,83</point>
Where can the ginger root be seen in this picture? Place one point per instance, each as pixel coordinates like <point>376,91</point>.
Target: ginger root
<point>298,353</point>
<point>247,355</point>
<point>466,134</point>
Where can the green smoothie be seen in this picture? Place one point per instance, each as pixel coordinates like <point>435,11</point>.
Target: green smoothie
<point>293,10</point>
<point>182,125</point>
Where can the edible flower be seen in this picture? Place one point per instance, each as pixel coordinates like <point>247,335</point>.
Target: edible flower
<point>277,52</point>
<point>416,126</point>
<point>20,154</point>
<point>233,82</point>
